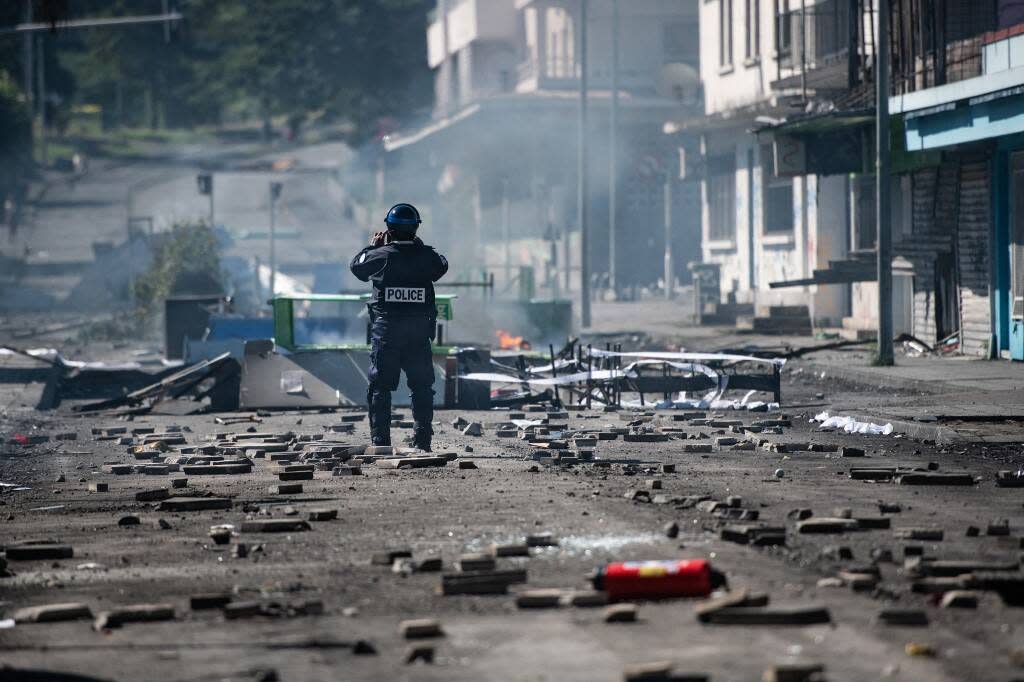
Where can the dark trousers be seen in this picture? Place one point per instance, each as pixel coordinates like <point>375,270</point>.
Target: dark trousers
<point>400,344</point>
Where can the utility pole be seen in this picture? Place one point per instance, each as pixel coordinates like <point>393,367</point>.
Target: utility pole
<point>882,178</point>
<point>41,76</point>
<point>275,192</point>
<point>506,229</point>
<point>581,170</point>
<point>613,153</point>
<point>28,57</point>
<point>669,266</point>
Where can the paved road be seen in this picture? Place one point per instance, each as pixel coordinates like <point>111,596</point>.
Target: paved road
<point>445,512</point>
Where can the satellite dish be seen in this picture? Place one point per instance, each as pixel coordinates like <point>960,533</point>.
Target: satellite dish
<point>678,81</point>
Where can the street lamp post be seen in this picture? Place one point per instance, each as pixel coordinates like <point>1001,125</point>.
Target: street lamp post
<point>275,193</point>
<point>882,178</point>
<point>582,194</point>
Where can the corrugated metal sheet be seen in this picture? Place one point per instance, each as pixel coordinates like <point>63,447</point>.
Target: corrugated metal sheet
<point>973,220</point>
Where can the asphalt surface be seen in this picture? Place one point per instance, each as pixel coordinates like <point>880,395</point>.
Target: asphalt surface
<point>444,512</point>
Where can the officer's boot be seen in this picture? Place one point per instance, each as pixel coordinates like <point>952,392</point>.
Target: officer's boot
<point>379,401</point>
<point>423,415</point>
<point>421,437</point>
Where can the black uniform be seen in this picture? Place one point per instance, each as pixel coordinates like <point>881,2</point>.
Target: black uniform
<point>403,322</point>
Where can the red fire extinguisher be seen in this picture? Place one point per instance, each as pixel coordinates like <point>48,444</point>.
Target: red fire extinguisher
<point>657,579</point>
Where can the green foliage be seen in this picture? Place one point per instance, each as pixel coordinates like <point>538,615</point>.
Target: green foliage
<point>187,249</point>
<point>352,61</point>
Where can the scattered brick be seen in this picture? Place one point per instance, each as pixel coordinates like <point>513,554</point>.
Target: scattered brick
<point>420,628</point>
<point>180,504</point>
<point>52,613</point>
<point>323,514</point>
<point>753,615</point>
<point>475,562</point>
<point>285,489</point>
<point>38,551</point>
<point>620,613</point>
<point>903,617</point>
<point>959,599</point>
<point>481,582</point>
<point>511,549</point>
<point>547,598</point>
<point>419,653</point>
<point>920,534</point>
<point>274,525</point>
<point>139,613</point>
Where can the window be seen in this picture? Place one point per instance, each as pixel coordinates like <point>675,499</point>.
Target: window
<point>752,17</point>
<point>778,205</point>
<point>721,185</point>
<point>725,32</point>
<point>783,27</point>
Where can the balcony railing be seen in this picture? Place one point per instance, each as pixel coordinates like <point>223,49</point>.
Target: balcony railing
<point>813,37</point>
<point>554,70</point>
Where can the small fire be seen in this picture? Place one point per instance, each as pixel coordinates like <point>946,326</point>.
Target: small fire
<point>508,342</point>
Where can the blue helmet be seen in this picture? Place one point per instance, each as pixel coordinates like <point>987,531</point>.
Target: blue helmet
<point>403,217</point>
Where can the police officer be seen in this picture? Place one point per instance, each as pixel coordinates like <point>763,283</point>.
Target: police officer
<point>403,321</point>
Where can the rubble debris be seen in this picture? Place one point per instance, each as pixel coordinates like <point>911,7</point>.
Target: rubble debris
<point>1010,479</point>
<point>959,599</point>
<point>138,613</point>
<point>213,600</point>
<point>388,556</point>
<point>999,527</point>
<point>934,478</point>
<point>584,598</point>
<point>919,649</point>
<point>510,549</point>
<point>795,672</point>
<point>481,582</point>
<point>726,600</point>
<point>38,551</point>
<point>52,613</point>
<point>180,504</point>
<point>753,615</point>
<point>546,598</point>
<point>275,526</point>
<point>416,462</point>
<point>920,534</point>
<point>475,562</point>
<point>826,525</point>
<point>660,671</point>
<point>423,653</point>
<point>420,628</point>
<point>285,489</point>
<point>620,613</point>
<point>903,617</point>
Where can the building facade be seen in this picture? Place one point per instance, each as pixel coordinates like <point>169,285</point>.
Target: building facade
<point>777,206</point>
<point>496,161</point>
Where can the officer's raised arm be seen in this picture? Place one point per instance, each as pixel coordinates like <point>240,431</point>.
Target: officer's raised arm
<point>440,265</point>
